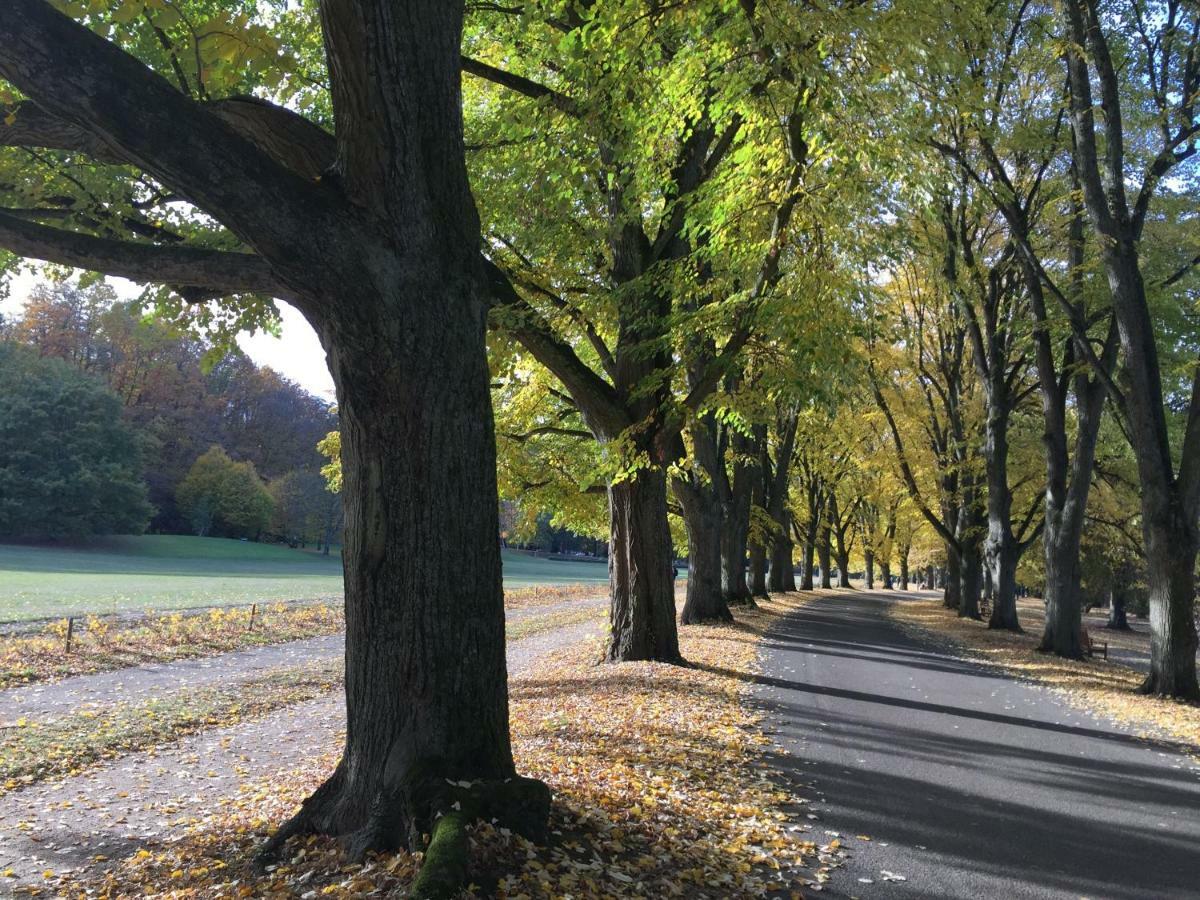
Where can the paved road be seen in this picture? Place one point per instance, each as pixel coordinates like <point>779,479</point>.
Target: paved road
<point>969,784</point>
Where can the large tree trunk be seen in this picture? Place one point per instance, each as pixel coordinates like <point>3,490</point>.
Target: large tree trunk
<point>735,525</point>
<point>702,516</point>
<point>810,552</point>
<point>640,564</point>
<point>823,556</point>
<point>758,570</point>
<point>843,564</point>
<point>904,569</point>
<point>426,679</point>
<point>952,580</point>
<point>1171,563</point>
<point>783,574</point>
<point>970,574</point>
<point>1000,549</point>
<point>1061,634</point>
<point>869,557</point>
<point>1003,569</point>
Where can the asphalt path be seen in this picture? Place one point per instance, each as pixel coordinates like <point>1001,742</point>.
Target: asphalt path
<point>967,783</point>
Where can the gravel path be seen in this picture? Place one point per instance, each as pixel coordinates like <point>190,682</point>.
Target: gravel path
<point>968,783</point>
<point>124,804</point>
<point>48,701</point>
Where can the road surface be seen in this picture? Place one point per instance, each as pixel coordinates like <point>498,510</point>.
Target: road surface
<point>968,783</point>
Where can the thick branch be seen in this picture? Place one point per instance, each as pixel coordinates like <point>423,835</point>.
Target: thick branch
<point>216,271</point>
<point>596,399</point>
<point>90,83</point>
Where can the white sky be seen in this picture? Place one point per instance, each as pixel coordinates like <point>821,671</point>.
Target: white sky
<point>296,354</point>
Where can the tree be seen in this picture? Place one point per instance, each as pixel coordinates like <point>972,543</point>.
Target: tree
<point>69,467</point>
<point>223,497</point>
<point>1164,46</point>
<point>305,508</point>
<point>1007,137</point>
<point>372,233</point>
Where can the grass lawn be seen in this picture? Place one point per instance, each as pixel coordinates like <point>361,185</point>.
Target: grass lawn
<point>173,572</point>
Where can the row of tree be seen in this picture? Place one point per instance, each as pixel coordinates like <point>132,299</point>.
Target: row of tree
<point>707,235</point>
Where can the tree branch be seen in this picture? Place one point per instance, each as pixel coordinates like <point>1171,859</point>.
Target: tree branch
<point>521,85</point>
<point>90,83</point>
<point>595,398</point>
<point>217,271</point>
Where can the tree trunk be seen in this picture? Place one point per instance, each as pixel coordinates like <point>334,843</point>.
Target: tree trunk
<point>823,556</point>
<point>810,552</point>
<point>735,523</point>
<point>970,575</point>
<point>426,677</point>
<point>1061,634</point>
<point>640,564</point>
<point>782,576</point>
<point>843,564</point>
<point>885,572</point>
<point>904,569</point>
<point>702,516</point>
<point>1117,618</point>
<point>869,556</point>
<point>758,570</point>
<point>952,580</point>
<point>1003,568</point>
<point>1171,565</point>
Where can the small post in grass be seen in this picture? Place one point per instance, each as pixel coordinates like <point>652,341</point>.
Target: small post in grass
<point>70,633</point>
<point>253,610</point>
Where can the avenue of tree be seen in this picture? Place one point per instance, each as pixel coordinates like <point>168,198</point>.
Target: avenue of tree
<point>904,290</point>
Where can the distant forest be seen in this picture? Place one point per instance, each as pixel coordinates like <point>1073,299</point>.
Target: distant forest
<point>205,443</point>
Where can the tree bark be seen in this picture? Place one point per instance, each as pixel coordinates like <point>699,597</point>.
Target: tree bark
<point>735,526</point>
<point>783,574</point>
<point>1171,564</point>
<point>970,575</point>
<point>758,570</point>
<point>869,557</point>
<point>702,516</point>
<point>642,592</point>
<point>904,568</point>
<point>952,581</point>
<point>810,552</point>
<point>823,556</point>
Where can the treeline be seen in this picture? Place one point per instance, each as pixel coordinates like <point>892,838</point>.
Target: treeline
<point>116,422</point>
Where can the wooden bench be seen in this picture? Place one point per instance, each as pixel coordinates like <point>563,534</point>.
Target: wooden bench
<point>1089,646</point>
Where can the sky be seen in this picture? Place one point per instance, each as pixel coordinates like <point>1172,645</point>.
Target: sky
<point>296,353</point>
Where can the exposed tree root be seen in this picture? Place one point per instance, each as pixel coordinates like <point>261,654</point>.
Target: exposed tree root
<point>423,805</point>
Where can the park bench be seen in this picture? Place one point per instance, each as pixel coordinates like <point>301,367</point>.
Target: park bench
<point>1090,646</point>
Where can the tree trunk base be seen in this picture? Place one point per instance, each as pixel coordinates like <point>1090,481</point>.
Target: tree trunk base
<point>425,804</point>
<point>1005,620</point>
<point>720,614</point>
<point>1154,686</point>
<point>746,601</point>
<point>1047,646</point>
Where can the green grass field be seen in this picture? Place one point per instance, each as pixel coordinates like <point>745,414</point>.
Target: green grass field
<point>174,572</point>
